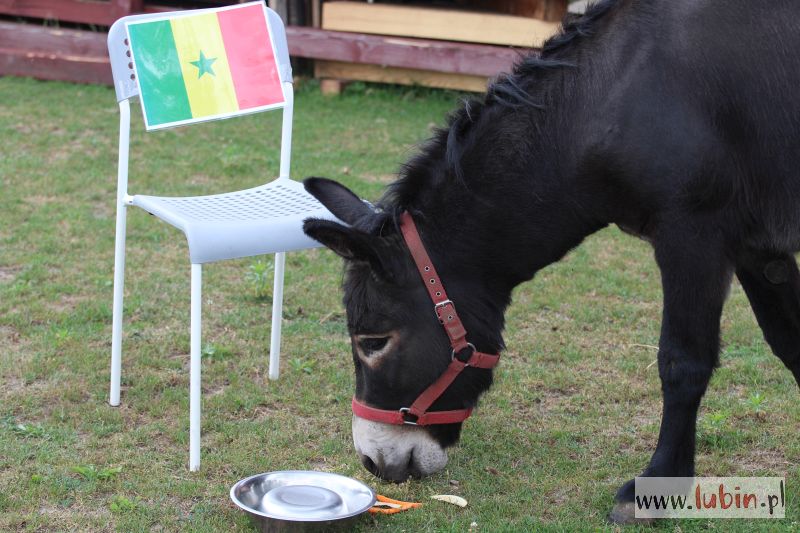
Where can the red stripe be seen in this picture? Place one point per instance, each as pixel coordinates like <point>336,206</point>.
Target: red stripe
<point>253,66</point>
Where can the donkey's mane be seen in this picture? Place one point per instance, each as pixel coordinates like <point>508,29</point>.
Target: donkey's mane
<point>508,90</point>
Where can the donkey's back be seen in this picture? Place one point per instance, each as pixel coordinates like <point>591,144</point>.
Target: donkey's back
<point>705,112</point>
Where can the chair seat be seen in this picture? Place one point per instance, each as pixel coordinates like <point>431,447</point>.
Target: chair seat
<point>244,223</point>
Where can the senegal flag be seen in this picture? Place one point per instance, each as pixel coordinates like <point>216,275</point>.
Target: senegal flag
<point>204,66</point>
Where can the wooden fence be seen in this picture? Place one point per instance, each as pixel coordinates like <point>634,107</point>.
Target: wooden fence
<point>41,50</point>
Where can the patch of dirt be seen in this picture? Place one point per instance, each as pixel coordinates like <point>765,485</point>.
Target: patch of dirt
<point>259,413</point>
<point>381,178</point>
<point>547,401</point>
<point>201,179</point>
<point>759,461</point>
<point>63,515</point>
<point>215,391</point>
<point>637,434</point>
<point>66,303</point>
<point>84,144</point>
<point>103,210</point>
<point>9,335</point>
<point>39,200</point>
<point>318,463</point>
<point>8,273</point>
<point>16,385</point>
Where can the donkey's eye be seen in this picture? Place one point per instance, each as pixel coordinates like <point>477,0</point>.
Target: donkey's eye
<point>372,349</point>
<point>372,344</point>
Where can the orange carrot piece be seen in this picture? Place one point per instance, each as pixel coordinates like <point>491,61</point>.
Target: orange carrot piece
<point>381,498</point>
<point>403,506</point>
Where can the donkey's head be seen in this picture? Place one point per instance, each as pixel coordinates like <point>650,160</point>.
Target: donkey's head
<point>399,345</point>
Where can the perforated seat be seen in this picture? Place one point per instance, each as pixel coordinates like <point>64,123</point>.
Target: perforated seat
<point>261,220</point>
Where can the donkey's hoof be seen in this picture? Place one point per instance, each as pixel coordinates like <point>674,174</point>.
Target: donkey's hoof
<point>624,514</point>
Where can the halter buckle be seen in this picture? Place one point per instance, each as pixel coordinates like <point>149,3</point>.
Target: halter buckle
<point>444,304</point>
<point>407,411</point>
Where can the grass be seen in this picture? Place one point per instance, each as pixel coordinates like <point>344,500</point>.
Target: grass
<point>573,414</point>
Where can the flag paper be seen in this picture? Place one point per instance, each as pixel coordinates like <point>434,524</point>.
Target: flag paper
<point>204,66</point>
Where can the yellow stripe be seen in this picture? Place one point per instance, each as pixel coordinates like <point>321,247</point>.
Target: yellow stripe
<point>209,94</point>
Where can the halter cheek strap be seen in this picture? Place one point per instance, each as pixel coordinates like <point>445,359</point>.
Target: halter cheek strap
<point>445,311</point>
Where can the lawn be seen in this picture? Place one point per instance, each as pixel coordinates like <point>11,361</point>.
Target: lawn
<point>574,411</point>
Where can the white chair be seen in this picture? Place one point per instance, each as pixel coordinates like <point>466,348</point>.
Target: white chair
<point>261,220</point>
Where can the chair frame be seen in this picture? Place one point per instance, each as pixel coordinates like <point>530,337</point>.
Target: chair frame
<point>126,88</point>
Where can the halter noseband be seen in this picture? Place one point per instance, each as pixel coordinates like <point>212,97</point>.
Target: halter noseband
<point>418,414</point>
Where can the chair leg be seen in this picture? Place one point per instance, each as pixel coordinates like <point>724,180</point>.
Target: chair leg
<point>116,321</point>
<point>194,370</point>
<point>277,315</point>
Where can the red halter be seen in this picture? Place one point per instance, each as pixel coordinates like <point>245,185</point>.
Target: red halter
<point>418,414</point>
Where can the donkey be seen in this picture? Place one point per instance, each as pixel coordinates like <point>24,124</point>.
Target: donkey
<point>676,120</point>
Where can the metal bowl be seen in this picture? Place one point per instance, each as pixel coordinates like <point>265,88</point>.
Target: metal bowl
<point>298,500</point>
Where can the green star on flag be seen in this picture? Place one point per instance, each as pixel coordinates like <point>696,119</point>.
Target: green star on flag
<point>204,65</point>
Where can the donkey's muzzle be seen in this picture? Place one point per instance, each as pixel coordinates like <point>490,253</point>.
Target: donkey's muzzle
<point>395,453</point>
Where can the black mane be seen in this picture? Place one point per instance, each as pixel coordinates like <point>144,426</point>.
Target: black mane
<point>508,90</point>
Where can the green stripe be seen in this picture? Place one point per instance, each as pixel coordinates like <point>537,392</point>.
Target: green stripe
<point>160,78</point>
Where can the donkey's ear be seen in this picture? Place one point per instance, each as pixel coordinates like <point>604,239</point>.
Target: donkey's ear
<point>340,201</point>
<point>352,244</point>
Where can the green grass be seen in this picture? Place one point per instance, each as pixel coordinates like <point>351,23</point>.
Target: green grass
<point>573,414</point>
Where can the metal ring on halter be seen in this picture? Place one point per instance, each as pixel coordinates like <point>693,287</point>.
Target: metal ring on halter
<point>404,411</point>
<point>453,353</point>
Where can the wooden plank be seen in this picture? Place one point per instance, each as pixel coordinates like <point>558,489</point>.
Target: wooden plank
<point>550,10</point>
<point>54,54</point>
<point>122,8</point>
<point>433,23</point>
<point>81,11</point>
<point>150,8</point>
<point>45,66</point>
<point>330,87</point>
<point>316,13</point>
<point>553,10</point>
<point>85,11</point>
<point>351,71</point>
<point>442,56</point>
<point>51,53</point>
<point>37,38</point>
<point>281,7</point>
<point>297,13</point>
<point>461,58</point>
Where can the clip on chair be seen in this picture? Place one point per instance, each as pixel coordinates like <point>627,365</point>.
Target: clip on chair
<point>193,66</point>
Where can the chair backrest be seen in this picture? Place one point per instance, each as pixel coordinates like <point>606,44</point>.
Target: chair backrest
<point>204,64</point>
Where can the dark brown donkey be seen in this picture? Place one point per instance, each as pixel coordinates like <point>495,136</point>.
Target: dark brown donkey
<point>677,120</point>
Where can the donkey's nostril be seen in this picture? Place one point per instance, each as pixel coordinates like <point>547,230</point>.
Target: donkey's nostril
<point>370,465</point>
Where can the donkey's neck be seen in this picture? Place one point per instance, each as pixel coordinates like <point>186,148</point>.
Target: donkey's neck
<point>517,204</point>
<point>503,191</point>
<point>499,226</point>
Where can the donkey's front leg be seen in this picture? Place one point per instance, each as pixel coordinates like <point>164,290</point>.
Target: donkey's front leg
<point>695,276</point>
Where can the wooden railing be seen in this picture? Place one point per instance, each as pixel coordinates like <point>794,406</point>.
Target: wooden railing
<point>102,13</point>
<point>47,52</point>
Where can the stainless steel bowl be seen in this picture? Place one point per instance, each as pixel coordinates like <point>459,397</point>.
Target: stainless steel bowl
<point>298,500</point>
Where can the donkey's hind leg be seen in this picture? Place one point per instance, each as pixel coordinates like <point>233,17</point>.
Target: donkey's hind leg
<point>772,284</point>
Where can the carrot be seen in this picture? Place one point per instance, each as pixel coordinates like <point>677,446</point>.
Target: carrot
<point>390,506</point>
